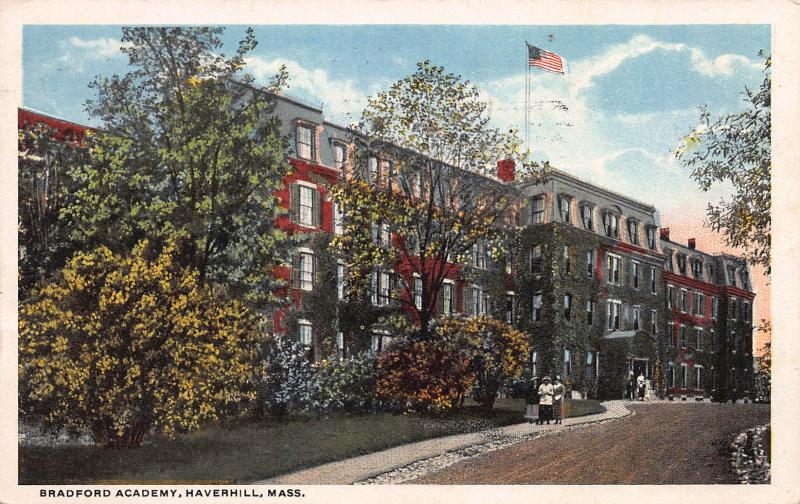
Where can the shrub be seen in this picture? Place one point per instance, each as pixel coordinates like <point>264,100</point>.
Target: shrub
<point>496,350</point>
<point>287,382</point>
<point>347,384</point>
<point>123,344</point>
<point>423,375</point>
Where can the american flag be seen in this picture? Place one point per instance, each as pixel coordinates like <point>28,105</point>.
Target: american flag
<point>545,60</point>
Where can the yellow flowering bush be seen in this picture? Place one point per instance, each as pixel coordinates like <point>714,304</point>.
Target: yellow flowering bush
<point>496,351</point>
<point>123,345</point>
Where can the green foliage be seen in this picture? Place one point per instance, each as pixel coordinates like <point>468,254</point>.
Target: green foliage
<point>188,148</point>
<point>286,381</point>
<point>123,344</point>
<point>346,384</point>
<point>434,129</point>
<point>763,378</point>
<point>497,352</point>
<point>736,149</point>
<point>45,188</point>
<point>423,375</point>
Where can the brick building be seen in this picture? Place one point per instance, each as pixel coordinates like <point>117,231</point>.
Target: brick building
<point>594,281</point>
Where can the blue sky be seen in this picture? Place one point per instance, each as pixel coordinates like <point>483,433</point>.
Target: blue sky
<point>632,91</point>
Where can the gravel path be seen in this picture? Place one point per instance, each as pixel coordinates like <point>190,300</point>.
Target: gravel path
<point>662,443</point>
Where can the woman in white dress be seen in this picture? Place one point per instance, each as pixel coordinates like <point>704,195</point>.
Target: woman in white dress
<point>545,401</point>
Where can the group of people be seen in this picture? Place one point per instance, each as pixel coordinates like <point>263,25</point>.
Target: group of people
<point>545,402</point>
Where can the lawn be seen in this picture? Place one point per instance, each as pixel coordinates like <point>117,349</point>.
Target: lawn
<point>253,451</point>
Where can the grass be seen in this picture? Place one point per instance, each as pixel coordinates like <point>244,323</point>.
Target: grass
<point>254,451</point>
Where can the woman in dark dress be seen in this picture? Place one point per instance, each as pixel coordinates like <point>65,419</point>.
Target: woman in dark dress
<point>532,401</point>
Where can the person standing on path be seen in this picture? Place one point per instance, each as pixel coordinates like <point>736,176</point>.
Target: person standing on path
<point>532,401</point>
<point>640,386</point>
<point>558,399</point>
<point>545,401</point>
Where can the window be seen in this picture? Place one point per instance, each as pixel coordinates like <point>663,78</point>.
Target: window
<point>509,265</point>
<point>697,268</point>
<point>745,279</point>
<point>381,234</point>
<point>479,255</point>
<point>417,292</point>
<point>587,216</point>
<point>565,204</point>
<point>698,338</point>
<point>510,312</point>
<point>303,270</point>
<point>653,322</point>
<point>537,210</point>
<point>671,374</point>
<point>340,280</point>
<point>305,202</point>
<point>338,219</point>
<point>732,275</point>
<point>447,298</point>
<point>671,334</point>
<point>682,264</point>
<point>339,155</point>
<point>651,237</point>
<point>714,307</point>
<point>684,336</point>
<point>653,281</point>
<point>589,311</point>
<point>684,375</point>
<point>611,224</point>
<point>613,309</point>
<point>567,260</point>
<point>306,206</point>
<point>733,308</point>
<point>590,263</point>
<point>382,285</point>
<point>534,363</point>
<point>389,173</point>
<point>746,311</point>
<point>567,362</point>
<point>698,304</point>
<point>340,342</point>
<point>637,318</point>
<point>711,273</point>
<point>567,306</point>
<point>536,314</point>
<point>684,300</point>
<point>636,274</point>
<point>613,269</point>
<point>305,142</point>
<point>478,300</point>
<point>304,331</point>
<point>698,377</point>
<point>714,342</point>
<point>536,259</point>
<point>670,296</point>
<point>633,231</point>
<point>668,260</point>
<point>374,170</point>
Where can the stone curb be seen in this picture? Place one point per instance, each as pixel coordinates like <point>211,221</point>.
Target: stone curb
<point>364,468</point>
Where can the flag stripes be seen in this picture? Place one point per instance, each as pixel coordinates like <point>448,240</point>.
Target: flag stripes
<point>545,60</point>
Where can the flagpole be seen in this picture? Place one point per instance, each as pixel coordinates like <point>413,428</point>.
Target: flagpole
<point>527,97</point>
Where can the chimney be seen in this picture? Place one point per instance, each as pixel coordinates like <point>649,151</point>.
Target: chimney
<point>665,233</point>
<point>691,243</point>
<point>505,170</point>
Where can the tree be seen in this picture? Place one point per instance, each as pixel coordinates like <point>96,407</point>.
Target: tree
<point>188,147</point>
<point>45,188</point>
<point>125,344</point>
<point>423,151</point>
<point>736,148</point>
<point>497,352</point>
<point>763,377</point>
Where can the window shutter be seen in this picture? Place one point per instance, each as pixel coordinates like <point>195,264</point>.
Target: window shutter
<point>317,210</point>
<point>296,271</point>
<point>294,202</point>
<point>440,300</point>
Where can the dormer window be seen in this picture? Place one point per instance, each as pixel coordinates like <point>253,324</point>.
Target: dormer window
<point>682,264</point>
<point>611,224</point>
<point>668,260</point>
<point>305,141</point>
<point>697,268</point>
<point>633,231</point>
<point>373,170</point>
<point>651,237</point>
<point>339,155</point>
<point>711,272</point>
<point>565,205</point>
<point>587,216</point>
<point>732,276</point>
<point>745,280</point>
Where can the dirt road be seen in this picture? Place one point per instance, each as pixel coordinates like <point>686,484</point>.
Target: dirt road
<point>659,444</point>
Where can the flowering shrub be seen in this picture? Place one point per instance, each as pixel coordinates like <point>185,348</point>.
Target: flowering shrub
<point>286,378</point>
<point>347,384</point>
<point>423,375</point>
<point>124,344</point>
<point>496,350</point>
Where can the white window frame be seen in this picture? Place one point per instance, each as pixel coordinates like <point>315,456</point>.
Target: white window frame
<point>590,263</point>
<point>637,274</point>
<point>339,162</point>
<point>340,280</point>
<point>590,309</point>
<point>417,291</point>
<point>306,204</point>
<point>698,377</point>
<point>305,150</point>
<point>512,314</point>
<point>670,296</point>
<point>698,338</point>
<point>305,332</point>
<point>306,274</point>
<point>684,300</point>
<point>613,262</point>
<point>536,306</point>
<point>448,290</point>
<point>637,317</point>
<point>338,219</point>
<point>538,206</point>
<point>684,375</point>
<point>671,334</point>
<point>653,280</point>
<point>613,314</point>
<point>654,322</point>
<point>683,335</point>
<point>714,307</point>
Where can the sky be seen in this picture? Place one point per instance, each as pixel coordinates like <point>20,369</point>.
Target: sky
<point>631,92</point>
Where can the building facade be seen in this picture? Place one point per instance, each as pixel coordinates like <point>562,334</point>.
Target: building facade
<point>593,279</point>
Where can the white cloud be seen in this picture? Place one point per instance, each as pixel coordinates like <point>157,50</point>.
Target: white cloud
<point>342,100</point>
<point>98,48</point>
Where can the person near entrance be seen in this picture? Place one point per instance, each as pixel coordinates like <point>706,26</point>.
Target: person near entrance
<point>532,401</point>
<point>641,386</point>
<point>545,401</point>
<point>558,399</point>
